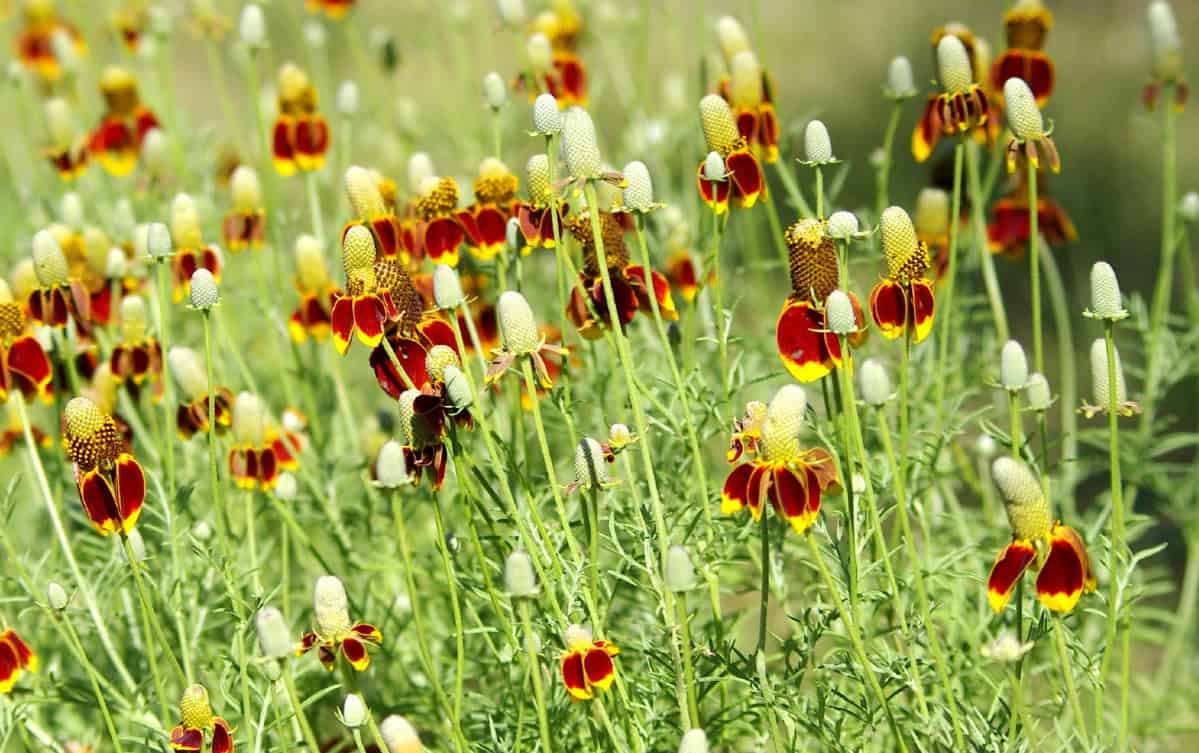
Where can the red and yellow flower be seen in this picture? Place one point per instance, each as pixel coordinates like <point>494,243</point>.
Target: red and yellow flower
<point>300,135</point>
<point>24,366</point>
<point>317,293</point>
<point>254,462</point>
<point>138,356</point>
<point>588,306</point>
<point>807,349</point>
<point>15,658</point>
<point>563,75</point>
<point>791,477</point>
<point>749,91</point>
<point>486,221</point>
<point>117,141</point>
<point>191,252</point>
<point>335,9</point>
<point>111,484</point>
<point>903,303</point>
<point>424,424</point>
<point>192,415</point>
<point>587,664</point>
<point>129,22</point>
<point>1007,232</point>
<point>197,722</point>
<point>333,632</point>
<point>536,216</point>
<point>367,303</point>
<point>410,336</point>
<point>244,225</point>
<point>375,212</point>
<point>34,46</point>
<point>745,182</point>
<point>55,294</point>
<point>66,147</point>
<point>963,105</point>
<point>439,232</point>
<point>1027,25</point>
<point>1038,542</point>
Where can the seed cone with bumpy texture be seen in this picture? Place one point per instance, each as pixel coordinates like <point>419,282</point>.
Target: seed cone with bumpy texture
<point>519,578</point>
<point>1025,503</point>
<point>900,83</point>
<point>1013,367</point>
<point>839,313</point>
<point>639,191</point>
<point>274,637</point>
<point>784,418</point>
<point>363,189</point>
<point>391,468</point>
<point>906,260</point>
<point>518,326</point>
<point>1037,392</point>
<point>188,369</point>
<point>953,64</point>
<point>818,148</point>
<point>719,126</point>
<point>547,117</point>
<point>591,469</point>
<point>842,225</point>
<point>679,574</point>
<point>812,259</point>
<point>1023,115</point>
<point>580,147</point>
<point>1106,302</point>
<point>204,292</point>
<point>195,711</point>
<point>875,382</point>
<point>49,262</point>
<point>330,607</point>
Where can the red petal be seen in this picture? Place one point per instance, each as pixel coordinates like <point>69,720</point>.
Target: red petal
<point>574,678</point>
<point>222,736</point>
<point>442,238</point>
<point>341,322</point>
<point>1006,572</point>
<point>598,668</point>
<point>355,653</point>
<point>803,351</point>
<point>187,738</point>
<point>789,494</point>
<point>99,502</point>
<point>734,495</point>
<point>131,490</point>
<point>923,308</point>
<point>747,177</point>
<point>889,308</point>
<point>1066,572</point>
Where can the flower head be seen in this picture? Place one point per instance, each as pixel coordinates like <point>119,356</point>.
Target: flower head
<point>333,630</point>
<point>15,658</point>
<point>586,664</point>
<point>197,723</point>
<point>902,304</point>
<point>109,479</point>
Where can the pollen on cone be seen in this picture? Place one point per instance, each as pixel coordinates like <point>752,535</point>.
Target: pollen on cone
<point>784,418</point>
<point>720,129</point>
<point>195,712</point>
<point>537,172</point>
<point>363,190</point>
<point>1023,115</point>
<point>953,63</point>
<point>330,606</point>
<point>745,80</point>
<point>405,408</point>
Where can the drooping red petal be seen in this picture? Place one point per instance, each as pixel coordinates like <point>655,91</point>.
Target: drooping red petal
<point>1066,573</point>
<point>757,489</point>
<point>99,502</point>
<point>714,193</point>
<point>25,358</point>
<point>282,150</point>
<point>889,308</point>
<point>367,632</point>
<point>734,495</point>
<point>411,356</point>
<point>574,678</point>
<point>1009,567</point>
<point>10,666</point>
<point>187,738</point>
<point>341,323</point>
<point>789,495</point>
<point>923,309</point>
<point>927,132</point>
<point>311,140</point>
<point>131,490</point>
<point>368,320</point>
<point>355,653</point>
<point>746,176</point>
<point>26,659</point>
<point>222,736</point>
<point>443,235</point>
<point>387,235</point>
<point>804,350</point>
<point>599,668</point>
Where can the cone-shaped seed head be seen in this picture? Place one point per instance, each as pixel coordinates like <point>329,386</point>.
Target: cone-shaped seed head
<point>406,411</point>
<point>842,225</point>
<point>518,327</point>
<point>457,388</point>
<point>495,91</point>
<point>83,417</point>
<point>185,222</point>
<point>953,63</point>
<point>348,98</point>
<point>159,241</point>
<point>133,318</point>
<point>839,313</point>
<point>274,637</point>
<point>420,166</point>
<point>547,118</point>
<point>537,171</point>
<point>310,263</point>
<point>330,607</point>
<point>680,571</point>
<point>899,242</point>
<point>1164,40</point>
<point>899,78</point>
<point>391,469</point>
<point>639,191</point>
<point>357,251</point>
<point>579,144</point>
<point>591,469</point>
<point>731,37</point>
<point>818,148</point>
<point>56,596</point>
<point>363,190</point>
<point>1105,292</point>
<point>539,52</point>
<point>1037,392</point>
<point>1023,115</point>
<point>932,213</point>
<point>1013,366</point>
<point>49,262</point>
<point>399,735</point>
<point>438,358</point>
<point>251,26</point>
<point>204,291</point>
<point>875,382</point>
<point>195,711</point>
<point>519,578</point>
<point>784,418</point>
<point>745,80</point>
<point>694,741</point>
<point>1027,508</point>
<point>249,419</point>
<point>720,129</point>
<point>447,288</point>
<point>1099,381</point>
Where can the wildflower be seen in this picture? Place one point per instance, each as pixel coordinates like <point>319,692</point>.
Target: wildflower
<point>1006,648</point>
<point>334,9</point>
<point>1013,367</point>
<point>807,348</point>
<point>67,147</point>
<point>410,333</point>
<point>436,206</point>
<point>253,459</point>
<point>747,431</point>
<point>196,721</point>
<point>274,640</point>
<point>34,45</point>
<point>817,147</point>
<point>1007,232</point>
<point>791,477</point>
<point>1028,128</point>
<point>332,630</point>
<point>56,596</point>
<point>519,579</point>
<point>638,194</point>
<point>251,27</point>
<point>486,220</point>
<point>365,191</point>
<point>24,365</point>
<point>245,223</point>
<point>1027,23</point>
<point>746,181</point>
<point>631,283</point>
<point>547,116</point>
<point>553,58</point>
<point>495,91</point>
<point>138,356</point>
<point>399,735</point>
<point>1100,381</point>
<point>57,296</point>
<point>875,382</point>
<point>353,711</point>
<point>1037,392</point>
<point>15,657</point>
<point>13,431</point>
<point>192,416</point>
<point>317,293</point>
<point>118,139</point>
<point>536,215</point>
<point>962,104</point>
<point>842,226</point>
<point>1039,542</point>
<point>1166,46</point>
<point>367,303</point>
<point>423,421</point>
<point>591,469</point>
<point>749,92</point>
<point>519,336</point>
<point>587,664</point>
<point>191,252</point>
<point>903,302</point>
<point>1106,302</point>
<point>300,135</point>
<point>110,481</point>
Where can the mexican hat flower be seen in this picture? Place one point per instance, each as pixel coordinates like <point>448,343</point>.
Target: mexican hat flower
<point>110,481</point>
<point>66,146</point>
<point>1038,542</point>
<point>1027,24</point>
<point>192,416</point>
<point>410,335</point>
<point>631,283</point>
<point>57,295</point>
<point>424,424</point>
<point>253,462</point>
<point>372,211</point>
<point>100,268</point>
<point>587,664</point>
<point>333,632</point>
<point>536,216</point>
<point>35,45</point>
<point>1030,140</point>
<point>138,356</point>
<point>334,9</point>
<point>960,107</point>
<point>129,22</point>
<point>436,206</point>
<point>1007,231</point>
<point>785,473</point>
<point>933,221</point>
<point>902,304</point>
<point>747,431</point>
<point>745,181</point>
<point>300,134</point>
<point>24,365</point>
<point>15,658</point>
<point>367,303</point>
<point>551,51</point>
<point>190,250</point>
<point>486,220</point>
<point>117,141</point>
<point>317,292</point>
<point>1166,46</point>
<point>747,89</point>
<point>807,348</point>
<point>244,225</point>
<point>197,724</point>
<point>520,337</point>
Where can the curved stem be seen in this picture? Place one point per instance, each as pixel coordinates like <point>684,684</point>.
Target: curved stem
<point>289,684</point>
<point>1034,268</point>
<point>979,221</point>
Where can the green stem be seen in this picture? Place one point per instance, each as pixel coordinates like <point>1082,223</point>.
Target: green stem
<point>979,221</point>
<point>882,188</point>
<point>946,331</point>
<point>293,697</point>
<point>1068,676</point>
<point>534,667</point>
<point>1014,413</point>
<point>93,677</point>
<point>819,193</point>
<point>717,305</point>
<point>218,493</point>
<point>1117,545</point>
<point>149,633</point>
<point>684,621</point>
<point>1165,274</point>
<point>1034,268</point>
<point>314,206</point>
<point>764,591</point>
<point>459,634</point>
<point>168,391</point>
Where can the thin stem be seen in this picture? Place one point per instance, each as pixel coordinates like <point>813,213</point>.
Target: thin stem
<point>218,493</point>
<point>447,563</point>
<point>979,221</point>
<point>1014,414</point>
<point>252,541</point>
<point>92,676</point>
<point>148,630</point>
<point>764,591</point>
<point>819,193</point>
<point>946,331</point>
<point>1117,532</point>
<point>293,697</point>
<point>1034,268</point>
<point>1165,277</point>
<point>718,305</point>
<point>534,667</point>
<point>314,206</point>
<point>1068,676</point>
<point>684,621</point>
<point>168,396</point>
<point>882,187</point>
<point>1068,379</point>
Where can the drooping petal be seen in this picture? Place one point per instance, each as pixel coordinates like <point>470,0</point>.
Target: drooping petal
<point>311,140</point>
<point>222,736</point>
<point>757,489</point>
<point>923,309</point>
<point>573,676</point>
<point>307,642</point>
<point>131,490</point>
<point>889,308</point>
<point>355,653</point>
<point>443,235</point>
<point>283,152</point>
<point>25,358</point>
<point>187,738</point>
<point>927,132</point>
<point>1066,573</point>
<point>714,193</point>
<point>99,502</point>
<point>387,235</point>
<point>598,668</point>
<point>1009,567</point>
<point>341,323</point>
<point>368,320</point>
<point>790,496</point>
<point>367,632</point>
<point>734,495</point>
<point>801,346</point>
<point>661,292</point>
<point>26,659</point>
<point>747,178</point>
<point>411,356</point>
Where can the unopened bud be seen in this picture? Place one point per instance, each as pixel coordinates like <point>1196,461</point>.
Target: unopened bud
<point>591,469</point>
<point>899,78</point>
<point>137,545</point>
<point>391,467</point>
<point>246,188</point>
<point>1023,115</point>
<point>330,607</point>
<point>518,327</point>
<point>714,168</point>
<point>56,596</point>
<point>953,62</point>
<point>731,37</point>
<point>185,222</point>
<point>399,735</point>
<point>839,313</point>
<point>539,52</point>
<point>1188,207</point>
<point>784,418</point>
<point>71,209</point>
<point>251,27</point>
<point>547,118</point>
<point>745,80</point>
<point>447,288</point>
<point>1165,42</point>
<point>353,712</point>
<point>720,129</point>
<point>286,487</point>
<point>1037,392</point>
<point>457,388</point>
<point>437,359</point>
<point>842,225</point>
<point>159,244</point>
<point>817,147</point>
<point>875,382</point>
<point>1100,384</point>
<point>348,98</point>
<point>932,213</point>
<point>519,578</point>
<point>156,152</point>
<point>579,144</point>
<point>513,12</point>
<point>495,91</point>
<point>49,262</point>
<point>1106,302</point>
<point>694,741</point>
<point>680,571</point>
<point>639,191</point>
<point>204,291</point>
<point>420,166</point>
<point>1013,367</point>
<point>274,637</point>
